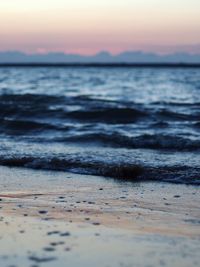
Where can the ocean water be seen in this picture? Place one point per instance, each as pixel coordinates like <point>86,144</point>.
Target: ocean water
<point>133,124</point>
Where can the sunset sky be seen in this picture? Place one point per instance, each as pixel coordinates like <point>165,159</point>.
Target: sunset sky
<point>89,26</point>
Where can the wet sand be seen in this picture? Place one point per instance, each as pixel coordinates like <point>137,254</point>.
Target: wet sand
<point>63,219</point>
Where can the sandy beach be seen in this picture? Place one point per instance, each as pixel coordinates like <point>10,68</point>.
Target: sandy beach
<point>63,219</point>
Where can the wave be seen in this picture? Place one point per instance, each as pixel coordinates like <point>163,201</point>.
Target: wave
<point>197,125</point>
<point>98,139</point>
<point>170,115</point>
<point>87,109</point>
<point>174,103</point>
<point>27,106</point>
<point>120,171</point>
<point>27,98</point>
<point>145,141</point>
<point>44,99</point>
<point>160,124</point>
<point>108,115</point>
<point>24,126</point>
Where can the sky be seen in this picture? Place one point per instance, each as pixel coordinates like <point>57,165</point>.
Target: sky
<point>90,26</point>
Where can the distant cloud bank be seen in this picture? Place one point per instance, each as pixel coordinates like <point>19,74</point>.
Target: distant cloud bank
<point>102,57</point>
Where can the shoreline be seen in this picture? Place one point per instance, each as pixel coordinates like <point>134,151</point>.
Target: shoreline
<point>123,223</point>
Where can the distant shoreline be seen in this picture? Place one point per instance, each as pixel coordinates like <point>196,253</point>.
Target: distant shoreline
<point>109,65</point>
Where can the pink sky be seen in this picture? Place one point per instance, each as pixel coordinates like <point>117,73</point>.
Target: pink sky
<point>89,26</point>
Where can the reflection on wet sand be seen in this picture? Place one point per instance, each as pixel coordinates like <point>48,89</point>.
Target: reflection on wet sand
<point>120,223</point>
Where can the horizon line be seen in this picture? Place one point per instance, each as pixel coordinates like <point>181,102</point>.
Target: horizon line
<point>99,64</point>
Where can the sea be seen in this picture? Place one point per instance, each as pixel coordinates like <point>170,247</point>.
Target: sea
<point>130,124</point>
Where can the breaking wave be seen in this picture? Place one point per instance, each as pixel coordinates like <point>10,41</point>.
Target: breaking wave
<point>120,171</point>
